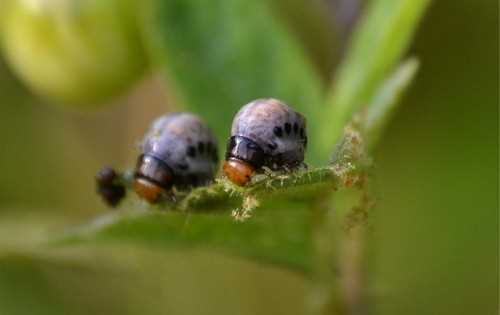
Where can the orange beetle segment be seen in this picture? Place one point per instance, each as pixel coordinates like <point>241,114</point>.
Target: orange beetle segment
<point>147,190</point>
<point>239,172</point>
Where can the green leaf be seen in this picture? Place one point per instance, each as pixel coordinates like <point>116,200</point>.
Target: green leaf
<point>386,99</point>
<point>314,25</point>
<point>268,221</point>
<point>274,236</point>
<point>378,44</point>
<point>220,55</point>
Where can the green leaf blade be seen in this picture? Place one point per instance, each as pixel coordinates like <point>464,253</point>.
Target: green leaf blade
<point>379,42</point>
<point>268,237</point>
<point>268,222</point>
<point>386,99</point>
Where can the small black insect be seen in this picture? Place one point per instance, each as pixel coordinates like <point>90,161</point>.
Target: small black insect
<point>108,188</point>
<point>265,132</point>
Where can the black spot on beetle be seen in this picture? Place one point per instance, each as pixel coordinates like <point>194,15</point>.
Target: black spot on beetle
<point>272,146</point>
<point>278,132</point>
<point>191,151</point>
<point>288,128</point>
<point>201,147</point>
<point>302,133</point>
<point>295,128</point>
<point>209,147</point>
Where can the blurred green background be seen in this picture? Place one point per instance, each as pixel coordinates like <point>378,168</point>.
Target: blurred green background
<point>434,245</point>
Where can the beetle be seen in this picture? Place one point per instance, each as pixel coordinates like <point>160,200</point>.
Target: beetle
<point>265,132</point>
<point>178,150</point>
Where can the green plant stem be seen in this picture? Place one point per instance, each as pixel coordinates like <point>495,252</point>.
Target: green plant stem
<point>349,225</point>
<point>324,295</point>
<point>340,227</point>
<point>339,273</point>
<point>339,237</point>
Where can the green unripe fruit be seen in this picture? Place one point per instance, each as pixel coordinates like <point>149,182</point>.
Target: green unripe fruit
<point>77,52</point>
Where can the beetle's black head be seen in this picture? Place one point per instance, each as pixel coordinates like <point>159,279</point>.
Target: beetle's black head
<point>243,156</point>
<point>244,149</point>
<point>152,178</point>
